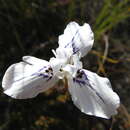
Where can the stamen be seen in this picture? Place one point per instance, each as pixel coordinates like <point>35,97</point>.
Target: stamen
<point>47,71</point>
<point>61,69</point>
<point>50,69</point>
<point>79,73</point>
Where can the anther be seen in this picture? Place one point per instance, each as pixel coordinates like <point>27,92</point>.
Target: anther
<point>61,70</point>
<point>47,71</point>
<point>50,69</point>
<point>79,73</point>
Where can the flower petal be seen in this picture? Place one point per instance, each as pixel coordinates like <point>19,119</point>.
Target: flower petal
<point>69,33</point>
<point>93,94</point>
<point>79,38</point>
<point>34,61</point>
<point>27,79</point>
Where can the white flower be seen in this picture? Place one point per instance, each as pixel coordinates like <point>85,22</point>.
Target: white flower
<point>91,93</point>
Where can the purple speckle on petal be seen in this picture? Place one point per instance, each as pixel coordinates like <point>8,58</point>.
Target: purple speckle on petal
<point>79,81</point>
<point>83,81</point>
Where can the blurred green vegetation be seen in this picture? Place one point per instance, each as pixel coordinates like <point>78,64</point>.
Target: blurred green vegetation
<point>32,27</point>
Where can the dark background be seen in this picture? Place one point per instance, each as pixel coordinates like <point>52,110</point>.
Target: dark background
<point>32,27</point>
